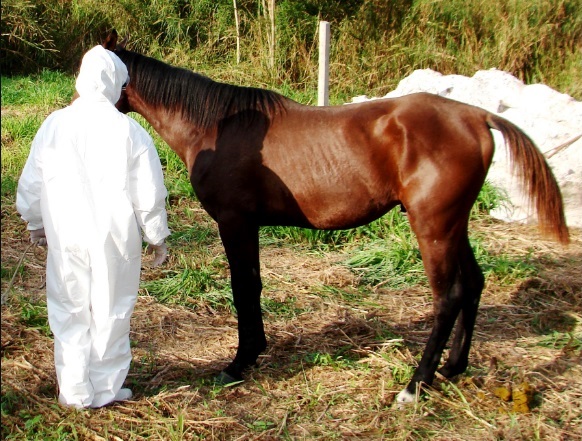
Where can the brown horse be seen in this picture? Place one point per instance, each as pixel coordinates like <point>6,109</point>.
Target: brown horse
<point>257,158</point>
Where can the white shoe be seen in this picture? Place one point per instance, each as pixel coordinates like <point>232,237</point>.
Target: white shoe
<point>64,403</point>
<point>123,395</point>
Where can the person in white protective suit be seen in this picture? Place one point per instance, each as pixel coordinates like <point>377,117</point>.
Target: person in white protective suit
<point>92,180</point>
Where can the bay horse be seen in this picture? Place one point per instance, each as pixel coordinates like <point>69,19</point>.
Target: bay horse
<point>257,158</point>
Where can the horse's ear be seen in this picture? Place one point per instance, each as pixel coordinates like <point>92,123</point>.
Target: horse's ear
<point>123,43</point>
<point>111,40</point>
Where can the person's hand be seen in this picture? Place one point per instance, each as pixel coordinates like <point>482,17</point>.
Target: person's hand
<point>160,253</point>
<point>38,237</point>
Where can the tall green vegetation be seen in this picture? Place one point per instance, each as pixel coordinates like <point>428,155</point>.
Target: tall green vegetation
<point>375,43</point>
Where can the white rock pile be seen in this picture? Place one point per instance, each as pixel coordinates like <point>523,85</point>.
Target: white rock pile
<point>552,119</point>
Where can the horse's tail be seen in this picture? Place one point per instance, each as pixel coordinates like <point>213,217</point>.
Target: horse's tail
<point>536,177</point>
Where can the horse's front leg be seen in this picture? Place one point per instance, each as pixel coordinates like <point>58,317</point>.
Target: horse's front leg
<point>241,243</point>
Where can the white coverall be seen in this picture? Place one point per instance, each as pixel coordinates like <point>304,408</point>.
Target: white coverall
<point>92,179</point>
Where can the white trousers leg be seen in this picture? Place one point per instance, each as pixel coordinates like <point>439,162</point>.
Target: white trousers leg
<point>68,285</point>
<point>114,287</point>
<point>90,305</point>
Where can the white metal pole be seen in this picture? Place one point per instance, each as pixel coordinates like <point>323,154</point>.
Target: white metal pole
<point>323,81</point>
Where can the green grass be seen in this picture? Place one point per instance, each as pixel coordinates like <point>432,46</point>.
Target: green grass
<point>193,283</point>
<point>17,134</point>
<point>332,239</point>
<point>566,341</point>
<point>47,90</point>
<point>504,268</point>
<point>26,102</point>
<point>396,263</point>
<point>34,315</point>
<point>339,359</point>
<point>196,234</point>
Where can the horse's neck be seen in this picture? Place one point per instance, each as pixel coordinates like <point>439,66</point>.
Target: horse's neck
<point>181,135</point>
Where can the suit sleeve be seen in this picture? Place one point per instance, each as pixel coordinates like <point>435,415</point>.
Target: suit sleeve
<point>29,189</point>
<point>148,191</point>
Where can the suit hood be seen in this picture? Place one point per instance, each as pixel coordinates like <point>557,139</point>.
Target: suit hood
<point>101,76</point>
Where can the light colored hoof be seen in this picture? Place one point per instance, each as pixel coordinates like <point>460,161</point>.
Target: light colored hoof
<point>404,398</point>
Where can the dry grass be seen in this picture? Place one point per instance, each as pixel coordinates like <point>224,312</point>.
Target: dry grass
<point>331,372</point>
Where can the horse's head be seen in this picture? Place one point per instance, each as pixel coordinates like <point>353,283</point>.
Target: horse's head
<point>111,43</point>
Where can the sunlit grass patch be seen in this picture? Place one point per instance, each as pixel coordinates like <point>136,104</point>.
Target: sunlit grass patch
<point>397,263</point>
<point>47,91</point>
<point>193,283</point>
<point>325,240</point>
<point>18,131</point>
<point>280,309</point>
<point>567,341</point>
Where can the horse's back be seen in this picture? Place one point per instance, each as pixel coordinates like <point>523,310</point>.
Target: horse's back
<point>346,165</point>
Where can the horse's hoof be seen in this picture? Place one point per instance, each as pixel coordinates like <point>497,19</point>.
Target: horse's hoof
<point>451,371</point>
<point>404,398</point>
<point>225,379</point>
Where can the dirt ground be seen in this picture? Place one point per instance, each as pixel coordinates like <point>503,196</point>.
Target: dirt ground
<point>528,336</point>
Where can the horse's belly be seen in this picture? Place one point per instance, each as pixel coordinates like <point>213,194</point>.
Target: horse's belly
<point>343,207</point>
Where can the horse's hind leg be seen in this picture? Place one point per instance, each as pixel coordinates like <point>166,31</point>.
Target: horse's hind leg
<point>241,243</point>
<point>441,262</point>
<point>472,284</point>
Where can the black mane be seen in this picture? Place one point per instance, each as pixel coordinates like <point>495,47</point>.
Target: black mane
<point>200,99</point>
